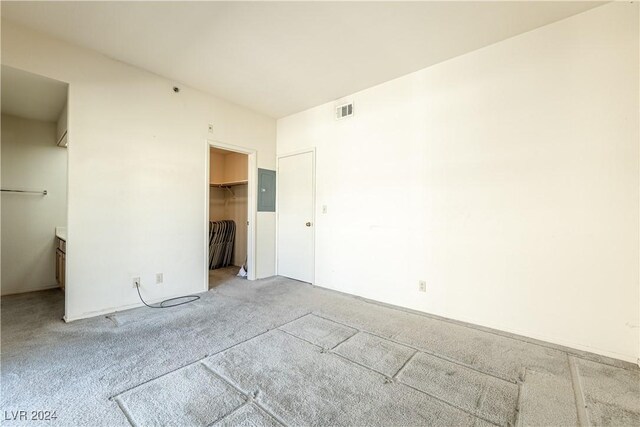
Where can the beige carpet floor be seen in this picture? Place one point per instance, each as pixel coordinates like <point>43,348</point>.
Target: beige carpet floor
<point>280,352</point>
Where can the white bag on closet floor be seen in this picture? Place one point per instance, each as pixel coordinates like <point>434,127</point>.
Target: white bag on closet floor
<point>242,272</point>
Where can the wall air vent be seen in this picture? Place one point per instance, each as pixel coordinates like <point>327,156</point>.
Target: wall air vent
<point>343,111</point>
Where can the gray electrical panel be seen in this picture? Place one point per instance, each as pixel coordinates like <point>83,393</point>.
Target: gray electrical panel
<point>266,190</point>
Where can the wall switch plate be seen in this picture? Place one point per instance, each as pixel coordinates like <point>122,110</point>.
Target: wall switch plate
<point>422,286</point>
<point>135,281</point>
<point>210,128</point>
<point>324,209</point>
<point>159,278</point>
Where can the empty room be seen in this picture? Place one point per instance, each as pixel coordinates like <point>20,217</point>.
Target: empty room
<point>320,213</point>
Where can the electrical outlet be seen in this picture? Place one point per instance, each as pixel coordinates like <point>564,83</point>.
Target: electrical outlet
<point>422,286</point>
<point>135,282</point>
<point>159,278</point>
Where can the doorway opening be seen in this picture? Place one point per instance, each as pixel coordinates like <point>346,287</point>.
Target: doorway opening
<point>231,213</point>
<point>34,187</point>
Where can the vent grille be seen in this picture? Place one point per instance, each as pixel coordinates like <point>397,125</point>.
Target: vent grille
<point>343,111</point>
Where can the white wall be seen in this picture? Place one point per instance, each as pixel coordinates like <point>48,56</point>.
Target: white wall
<point>137,173</point>
<point>31,161</point>
<point>506,178</point>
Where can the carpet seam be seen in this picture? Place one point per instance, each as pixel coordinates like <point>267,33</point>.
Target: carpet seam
<point>521,389</point>
<point>449,403</point>
<point>270,414</point>
<point>227,381</point>
<point>424,351</point>
<point>482,396</point>
<point>229,414</point>
<point>125,410</point>
<point>359,364</point>
<point>204,357</point>
<point>242,406</point>
<point>328,320</point>
<point>179,368</point>
<point>346,339</point>
<point>581,405</point>
<point>385,376</point>
<point>405,364</point>
<point>250,399</point>
<point>302,339</point>
<point>247,398</point>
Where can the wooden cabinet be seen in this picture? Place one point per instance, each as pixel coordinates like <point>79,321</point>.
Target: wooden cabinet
<point>61,247</point>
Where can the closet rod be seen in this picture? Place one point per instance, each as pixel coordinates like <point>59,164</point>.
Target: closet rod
<point>230,191</point>
<point>43,192</point>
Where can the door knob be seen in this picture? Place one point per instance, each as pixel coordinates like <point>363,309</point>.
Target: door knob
<point>308,224</point>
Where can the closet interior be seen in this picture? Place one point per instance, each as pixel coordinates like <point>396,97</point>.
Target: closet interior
<point>228,185</point>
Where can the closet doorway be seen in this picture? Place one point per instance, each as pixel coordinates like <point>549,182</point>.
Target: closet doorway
<point>231,213</point>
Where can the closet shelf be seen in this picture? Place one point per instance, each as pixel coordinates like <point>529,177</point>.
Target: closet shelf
<point>227,184</point>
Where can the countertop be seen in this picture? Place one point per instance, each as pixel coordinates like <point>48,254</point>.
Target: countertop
<point>61,233</point>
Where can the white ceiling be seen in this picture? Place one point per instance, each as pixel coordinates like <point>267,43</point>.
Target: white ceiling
<point>31,96</point>
<point>279,58</point>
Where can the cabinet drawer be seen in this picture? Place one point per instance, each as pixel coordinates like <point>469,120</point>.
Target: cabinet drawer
<point>63,272</point>
<point>60,268</point>
<point>58,265</point>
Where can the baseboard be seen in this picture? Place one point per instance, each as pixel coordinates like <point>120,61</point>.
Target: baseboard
<point>42,288</point>
<point>584,352</point>
<point>112,310</point>
<point>91,314</point>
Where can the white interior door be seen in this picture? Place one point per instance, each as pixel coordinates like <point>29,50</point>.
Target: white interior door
<point>295,216</point>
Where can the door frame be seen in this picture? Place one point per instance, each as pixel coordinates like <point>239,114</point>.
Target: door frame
<point>67,283</point>
<point>252,205</point>
<point>311,150</point>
